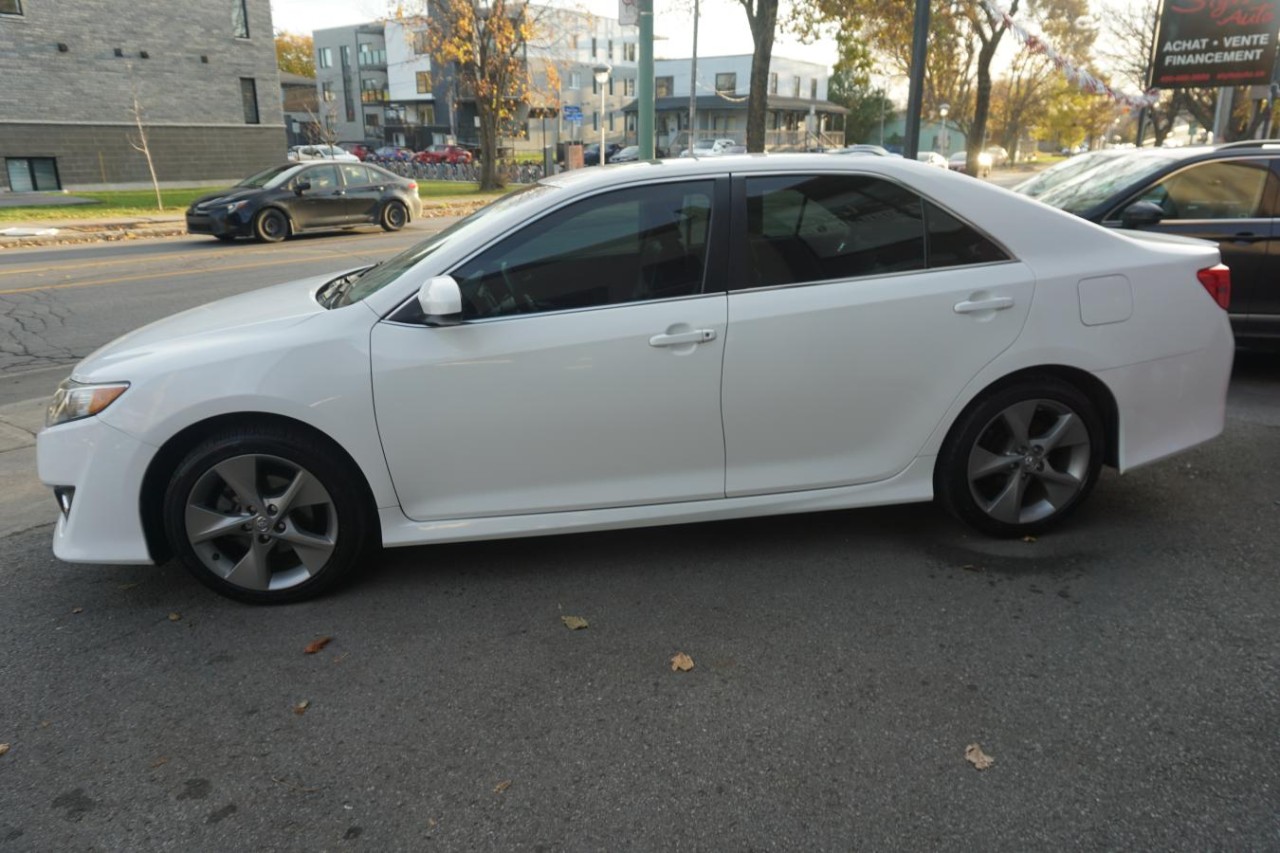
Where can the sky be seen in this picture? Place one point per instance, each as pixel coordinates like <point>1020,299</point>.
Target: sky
<point>722,29</point>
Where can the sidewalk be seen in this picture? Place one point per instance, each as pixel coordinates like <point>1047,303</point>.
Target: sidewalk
<point>24,502</point>
<point>168,224</point>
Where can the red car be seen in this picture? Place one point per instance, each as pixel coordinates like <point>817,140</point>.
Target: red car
<point>451,154</point>
<point>357,148</point>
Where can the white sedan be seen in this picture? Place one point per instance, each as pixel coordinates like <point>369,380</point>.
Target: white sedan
<point>321,152</point>
<point>640,345</point>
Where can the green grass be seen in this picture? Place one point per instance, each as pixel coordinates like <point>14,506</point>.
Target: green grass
<point>127,204</point>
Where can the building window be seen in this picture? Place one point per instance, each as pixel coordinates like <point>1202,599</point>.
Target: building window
<point>240,19</point>
<point>611,84</point>
<point>629,86</point>
<point>573,42</point>
<point>595,86</point>
<point>324,57</point>
<point>608,54</point>
<point>427,114</point>
<point>575,80</point>
<point>32,174</point>
<point>422,42</point>
<point>813,90</point>
<point>611,121</point>
<point>326,92</point>
<point>629,51</point>
<point>249,95</point>
<point>346,55</point>
<point>727,82</point>
<point>371,120</point>
<point>593,47</point>
<point>662,87</point>
<point>595,120</point>
<point>773,84</point>
<point>10,7</point>
<point>424,82</point>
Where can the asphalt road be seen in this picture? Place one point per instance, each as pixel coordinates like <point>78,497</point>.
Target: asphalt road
<point>1123,672</point>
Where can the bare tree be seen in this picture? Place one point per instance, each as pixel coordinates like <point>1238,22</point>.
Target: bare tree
<point>139,141</point>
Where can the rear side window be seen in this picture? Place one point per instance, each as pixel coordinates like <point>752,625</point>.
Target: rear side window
<point>952,243</point>
<point>355,176</point>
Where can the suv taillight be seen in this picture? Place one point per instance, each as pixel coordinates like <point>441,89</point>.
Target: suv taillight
<point>413,186</point>
<point>1217,280</point>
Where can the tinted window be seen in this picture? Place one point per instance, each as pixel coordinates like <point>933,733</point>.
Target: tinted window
<point>355,176</point>
<point>953,243</point>
<point>1225,189</point>
<point>807,228</point>
<point>634,244</point>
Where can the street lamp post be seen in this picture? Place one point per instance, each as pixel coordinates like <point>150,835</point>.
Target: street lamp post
<point>943,109</point>
<point>602,72</point>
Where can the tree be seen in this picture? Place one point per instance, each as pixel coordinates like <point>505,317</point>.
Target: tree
<point>295,53</point>
<point>762,16</point>
<point>139,142</point>
<point>869,108</point>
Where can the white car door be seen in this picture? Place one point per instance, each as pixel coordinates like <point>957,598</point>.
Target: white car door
<point>848,337</point>
<point>585,373</point>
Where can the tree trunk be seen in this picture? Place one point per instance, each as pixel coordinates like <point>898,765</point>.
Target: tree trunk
<point>763,23</point>
<point>490,177</point>
<point>982,103</point>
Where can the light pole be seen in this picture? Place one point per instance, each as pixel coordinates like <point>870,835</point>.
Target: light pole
<point>943,109</point>
<point>602,72</point>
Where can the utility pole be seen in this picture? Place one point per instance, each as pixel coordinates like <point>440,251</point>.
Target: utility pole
<point>644,86</point>
<point>693,78</point>
<point>915,98</point>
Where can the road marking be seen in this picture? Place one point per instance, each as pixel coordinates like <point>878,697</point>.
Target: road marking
<point>150,276</point>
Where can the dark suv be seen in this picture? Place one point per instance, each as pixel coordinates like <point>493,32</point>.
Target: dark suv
<point>1229,194</point>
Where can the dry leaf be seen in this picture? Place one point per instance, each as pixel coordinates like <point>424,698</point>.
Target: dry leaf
<point>160,762</point>
<point>680,662</point>
<point>502,786</point>
<point>969,567</point>
<point>175,616</point>
<point>316,645</point>
<point>1028,538</point>
<point>4,747</point>
<point>975,756</point>
<point>574,623</point>
<point>126,585</point>
<point>301,707</point>
<point>77,610</point>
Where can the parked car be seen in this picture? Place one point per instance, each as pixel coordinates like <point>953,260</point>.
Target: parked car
<point>591,153</point>
<point>709,147</point>
<point>285,200</point>
<point>999,156</point>
<point>932,158</point>
<point>626,155</point>
<point>300,153</point>
<point>271,440</point>
<point>453,155</point>
<point>866,148</point>
<point>1226,193</point>
<point>958,162</point>
<point>360,149</point>
<point>392,154</point>
<point>1066,170</point>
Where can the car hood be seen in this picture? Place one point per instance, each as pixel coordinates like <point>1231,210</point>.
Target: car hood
<point>209,330</point>
<point>226,196</point>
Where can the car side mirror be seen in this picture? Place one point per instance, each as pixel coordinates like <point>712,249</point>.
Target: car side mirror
<point>301,186</point>
<point>441,301</point>
<point>1141,214</point>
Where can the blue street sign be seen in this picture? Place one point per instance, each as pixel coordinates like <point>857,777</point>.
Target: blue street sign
<point>572,114</point>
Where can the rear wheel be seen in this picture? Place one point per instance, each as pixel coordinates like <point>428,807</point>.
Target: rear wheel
<point>1021,459</point>
<point>270,226</point>
<point>267,516</point>
<point>394,216</point>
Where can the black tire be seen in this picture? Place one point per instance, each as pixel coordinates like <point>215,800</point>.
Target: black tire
<point>394,216</point>
<point>270,226</point>
<point>226,238</point>
<point>1008,482</point>
<point>268,554</point>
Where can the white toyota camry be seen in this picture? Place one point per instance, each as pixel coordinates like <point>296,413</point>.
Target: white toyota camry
<point>647,344</point>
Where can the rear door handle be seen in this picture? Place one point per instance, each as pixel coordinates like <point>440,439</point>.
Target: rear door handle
<point>697,336</point>
<point>994,303</point>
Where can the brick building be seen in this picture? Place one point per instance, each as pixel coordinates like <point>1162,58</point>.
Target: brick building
<point>203,72</point>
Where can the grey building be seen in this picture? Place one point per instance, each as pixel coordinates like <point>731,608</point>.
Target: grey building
<point>202,72</point>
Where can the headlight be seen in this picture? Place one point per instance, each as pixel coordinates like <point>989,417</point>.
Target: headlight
<point>984,159</point>
<point>74,400</point>
<point>236,205</point>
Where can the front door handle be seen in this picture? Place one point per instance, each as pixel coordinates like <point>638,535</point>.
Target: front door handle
<point>994,303</point>
<point>697,336</point>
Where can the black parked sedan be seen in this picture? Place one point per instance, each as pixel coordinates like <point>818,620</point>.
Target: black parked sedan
<point>1229,194</point>
<point>296,197</point>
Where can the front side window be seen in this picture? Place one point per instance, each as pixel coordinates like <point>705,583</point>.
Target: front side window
<point>631,245</point>
<point>1226,189</point>
<point>240,19</point>
<point>321,177</point>
<point>727,83</point>
<point>249,97</point>
<point>353,175</point>
<point>10,7</point>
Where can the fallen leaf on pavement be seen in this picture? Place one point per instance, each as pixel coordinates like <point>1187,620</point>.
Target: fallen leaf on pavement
<point>175,616</point>
<point>975,756</point>
<point>77,610</point>
<point>160,762</point>
<point>1028,538</point>
<point>502,786</point>
<point>301,707</point>
<point>573,623</point>
<point>969,567</point>
<point>680,662</point>
<point>4,747</point>
<point>316,645</point>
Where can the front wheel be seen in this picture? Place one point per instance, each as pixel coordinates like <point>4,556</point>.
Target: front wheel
<point>1021,459</point>
<point>270,226</point>
<point>267,516</point>
<point>394,216</point>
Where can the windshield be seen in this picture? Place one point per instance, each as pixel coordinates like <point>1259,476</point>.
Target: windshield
<point>1094,186</point>
<point>1060,173</point>
<point>378,277</point>
<point>268,177</point>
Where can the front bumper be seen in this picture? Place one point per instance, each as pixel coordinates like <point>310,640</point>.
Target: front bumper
<point>105,467</point>
<point>219,223</point>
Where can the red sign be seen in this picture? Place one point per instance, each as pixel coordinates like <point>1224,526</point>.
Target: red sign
<point>1215,43</point>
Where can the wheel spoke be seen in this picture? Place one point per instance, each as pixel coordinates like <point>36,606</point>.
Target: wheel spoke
<point>241,474</point>
<point>983,463</point>
<point>1007,506</point>
<point>303,490</point>
<point>253,571</point>
<point>1018,419</point>
<point>312,550</point>
<point>204,524</point>
<point>1068,431</point>
<point>1059,486</point>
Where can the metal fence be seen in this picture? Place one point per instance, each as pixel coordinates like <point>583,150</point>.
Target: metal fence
<point>511,171</point>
